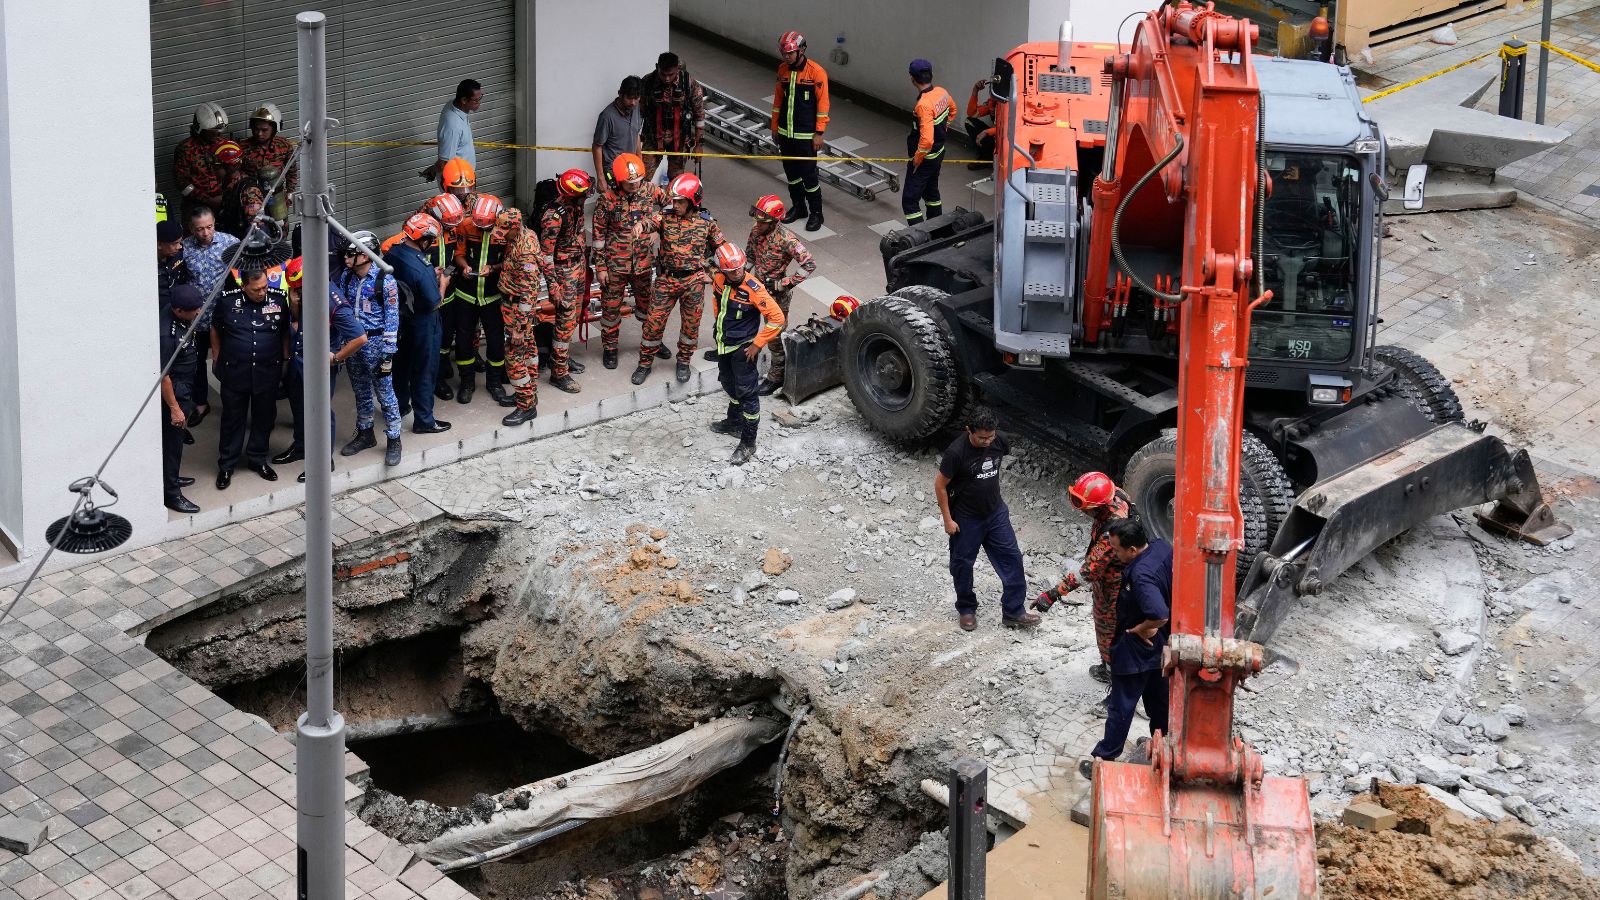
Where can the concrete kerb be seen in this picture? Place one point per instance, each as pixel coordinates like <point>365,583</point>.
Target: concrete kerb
<point>647,396</point>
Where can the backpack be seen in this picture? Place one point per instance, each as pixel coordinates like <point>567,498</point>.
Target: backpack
<point>545,196</point>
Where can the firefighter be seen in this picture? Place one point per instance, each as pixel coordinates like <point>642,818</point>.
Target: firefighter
<point>461,179</point>
<point>564,263</point>
<point>745,319</point>
<point>799,119</point>
<point>980,130</point>
<point>476,297</point>
<point>521,284</point>
<point>622,261</point>
<point>673,107</point>
<point>1095,495</point>
<point>925,144</point>
<point>195,169</point>
<point>266,148</point>
<point>689,235</point>
<point>771,250</point>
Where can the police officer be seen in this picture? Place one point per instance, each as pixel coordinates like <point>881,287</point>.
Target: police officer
<point>180,307</point>
<point>249,344</point>
<point>170,268</point>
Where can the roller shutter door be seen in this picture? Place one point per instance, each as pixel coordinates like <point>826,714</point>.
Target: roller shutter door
<point>391,68</point>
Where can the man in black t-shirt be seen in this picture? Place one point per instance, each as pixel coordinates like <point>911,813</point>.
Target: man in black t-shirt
<point>968,488</point>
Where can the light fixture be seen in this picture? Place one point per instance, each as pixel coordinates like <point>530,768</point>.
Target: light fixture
<point>90,529</point>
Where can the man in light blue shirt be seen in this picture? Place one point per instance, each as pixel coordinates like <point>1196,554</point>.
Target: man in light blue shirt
<point>455,129</point>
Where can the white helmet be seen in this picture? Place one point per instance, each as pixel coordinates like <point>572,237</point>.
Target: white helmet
<point>209,116</point>
<point>267,111</point>
<point>366,239</point>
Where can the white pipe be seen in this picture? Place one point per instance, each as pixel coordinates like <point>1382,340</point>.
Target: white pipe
<point>1064,42</point>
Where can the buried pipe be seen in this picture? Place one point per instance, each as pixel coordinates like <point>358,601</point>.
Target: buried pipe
<point>536,812</point>
<point>859,887</point>
<point>383,728</point>
<point>783,758</point>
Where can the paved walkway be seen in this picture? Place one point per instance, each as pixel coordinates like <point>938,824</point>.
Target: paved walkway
<point>1568,175</point>
<point>150,784</point>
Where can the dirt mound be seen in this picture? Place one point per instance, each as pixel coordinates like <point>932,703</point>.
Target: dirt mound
<point>1436,852</point>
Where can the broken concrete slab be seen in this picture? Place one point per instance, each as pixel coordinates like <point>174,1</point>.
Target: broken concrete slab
<point>1456,642</point>
<point>20,835</point>
<point>1482,803</point>
<point>1438,772</point>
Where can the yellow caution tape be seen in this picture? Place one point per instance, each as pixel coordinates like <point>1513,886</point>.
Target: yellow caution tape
<point>497,145</point>
<point>1575,58</point>
<point>1416,81</point>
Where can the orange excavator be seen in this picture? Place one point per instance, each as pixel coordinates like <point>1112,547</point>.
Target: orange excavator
<point>1201,819</point>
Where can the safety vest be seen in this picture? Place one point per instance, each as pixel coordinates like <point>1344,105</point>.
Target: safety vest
<point>801,100</point>
<point>489,253</point>
<point>935,106</point>
<point>742,312</point>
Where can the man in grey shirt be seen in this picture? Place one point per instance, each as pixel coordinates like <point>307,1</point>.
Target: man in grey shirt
<point>455,129</point>
<point>617,129</point>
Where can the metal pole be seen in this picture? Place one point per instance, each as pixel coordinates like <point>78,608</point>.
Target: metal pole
<point>969,832</point>
<point>319,744</point>
<point>1513,75</point>
<point>1544,61</point>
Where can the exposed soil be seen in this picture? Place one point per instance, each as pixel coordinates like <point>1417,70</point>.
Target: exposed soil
<point>1437,853</point>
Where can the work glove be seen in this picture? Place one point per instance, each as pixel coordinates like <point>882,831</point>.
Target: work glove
<point>1049,598</point>
<point>385,365</point>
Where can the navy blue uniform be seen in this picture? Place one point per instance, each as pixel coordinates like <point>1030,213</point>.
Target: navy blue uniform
<point>250,356</point>
<point>1146,594</point>
<point>342,329</point>
<point>985,523</point>
<point>417,366</point>
<point>173,330</point>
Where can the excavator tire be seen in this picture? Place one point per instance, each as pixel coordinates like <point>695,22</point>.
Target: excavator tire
<point>1265,495</point>
<point>1422,384</point>
<point>899,368</point>
<point>928,297</point>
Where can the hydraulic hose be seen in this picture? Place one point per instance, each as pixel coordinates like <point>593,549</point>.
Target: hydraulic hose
<point>1116,224</point>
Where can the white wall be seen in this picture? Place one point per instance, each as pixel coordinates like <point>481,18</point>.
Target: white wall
<point>582,51</point>
<point>77,307</point>
<point>961,39</point>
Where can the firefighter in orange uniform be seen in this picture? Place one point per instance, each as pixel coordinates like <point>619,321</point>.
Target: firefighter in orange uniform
<point>925,144</point>
<point>799,120</point>
<point>745,319</point>
<point>622,261</point>
<point>520,284</point>
<point>689,235</point>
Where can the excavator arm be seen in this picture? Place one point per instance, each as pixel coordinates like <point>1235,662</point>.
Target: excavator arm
<point>1201,819</point>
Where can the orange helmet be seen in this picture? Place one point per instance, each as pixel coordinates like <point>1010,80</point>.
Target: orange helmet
<point>422,225</point>
<point>229,152</point>
<point>767,209</point>
<point>843,306</point>
<point>447,209</point>
<point>1092,489</point>
<point>486,210</point>
<point>575,183</point>
<point>627,167</point>
<point>729,257</point>
<point>458,173</point>
<point>686,187</point>
<point>508,219</point>
<point>292,271</point>
<point>791,42</point>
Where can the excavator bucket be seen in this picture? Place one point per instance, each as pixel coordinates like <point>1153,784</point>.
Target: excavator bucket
<point>1153,838</point>
<point>1341,519</point>
<point>811,363</point>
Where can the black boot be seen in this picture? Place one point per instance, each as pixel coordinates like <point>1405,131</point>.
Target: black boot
<point>797,211</point>
<point>729,426</point>
<point>293,454</point>
<point>391,454</point>
<point>814,221</point>
<point>663,353</point>
<point>574,366</point>
<point>743,453</point>
<point>441,381</point>
<point>640,374</point>
<point>469,383</point>
<point>770,387</point>
<point>495,384</point>
<point>520,417</point>
<point>565,383</point>
<point>609,359</point>
<point>360,442</point>
<point>683,372</point>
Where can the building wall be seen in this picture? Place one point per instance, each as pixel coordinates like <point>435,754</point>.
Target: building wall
<point>960,39</point>
<point>78,346</point>
<point>580,53</point>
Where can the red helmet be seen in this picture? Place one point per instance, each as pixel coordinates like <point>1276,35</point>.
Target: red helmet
<point>729,257</point>
<point>292,271</point>
<point>791,42</point>
<point>422,225</point>
<point>485,210</point>
<point>229,152</point>
<point>447,209</point>
<point>767,209</point>
<point>574,183</point>
<point>686,187</point>
<point>1092,489</point>
<point>458,173</point>
<point>843,306</point>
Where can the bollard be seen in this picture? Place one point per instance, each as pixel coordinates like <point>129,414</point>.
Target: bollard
<point>969,832</point>
<point>1513,69</point>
